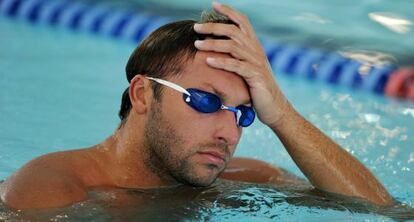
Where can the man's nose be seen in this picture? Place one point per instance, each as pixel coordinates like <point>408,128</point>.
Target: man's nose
<point>227,129</point>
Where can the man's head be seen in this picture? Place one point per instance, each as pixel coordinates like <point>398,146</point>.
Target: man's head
<point>179,142</point>
<point>164,53</point>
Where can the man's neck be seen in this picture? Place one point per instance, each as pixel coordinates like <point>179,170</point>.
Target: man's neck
<point>123,159</point>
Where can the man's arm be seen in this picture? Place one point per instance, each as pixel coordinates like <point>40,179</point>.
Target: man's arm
<point>257,171</point>
<point>326,164</point>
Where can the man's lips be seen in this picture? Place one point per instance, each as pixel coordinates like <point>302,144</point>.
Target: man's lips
<point>214,157</point>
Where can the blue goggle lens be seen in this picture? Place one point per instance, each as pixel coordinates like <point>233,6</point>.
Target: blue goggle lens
<point>247,117</point>
<point>202,101</point>
<point>206,102</point>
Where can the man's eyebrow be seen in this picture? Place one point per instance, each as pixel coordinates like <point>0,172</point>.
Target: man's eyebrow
<point>224,96</point>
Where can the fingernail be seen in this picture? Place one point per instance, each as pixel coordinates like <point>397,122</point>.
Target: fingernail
<point>197,26</point>
<point>198,43</point>
<point>210,60</point>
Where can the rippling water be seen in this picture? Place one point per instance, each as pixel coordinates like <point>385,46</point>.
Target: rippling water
<point>224,201</point>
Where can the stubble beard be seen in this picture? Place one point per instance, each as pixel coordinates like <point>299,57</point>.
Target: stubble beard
<point>166,154</point>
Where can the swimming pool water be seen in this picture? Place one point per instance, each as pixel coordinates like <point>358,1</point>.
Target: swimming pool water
<point>373,30</point>
<point>61,90</point>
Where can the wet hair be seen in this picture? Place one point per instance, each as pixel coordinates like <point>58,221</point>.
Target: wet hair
<point>164,53</point>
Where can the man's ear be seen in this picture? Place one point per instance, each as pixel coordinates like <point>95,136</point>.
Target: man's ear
<point>140,94</point>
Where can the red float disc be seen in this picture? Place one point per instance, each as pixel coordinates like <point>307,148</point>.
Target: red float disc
<point>401,83</point>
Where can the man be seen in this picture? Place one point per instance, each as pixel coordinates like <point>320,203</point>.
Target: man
<point>192,90</point>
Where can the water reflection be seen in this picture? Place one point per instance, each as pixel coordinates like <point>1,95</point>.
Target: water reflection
<point>311,17</point>
<point>392,21</point>
<point>225,200</point>
<point>368,58</point>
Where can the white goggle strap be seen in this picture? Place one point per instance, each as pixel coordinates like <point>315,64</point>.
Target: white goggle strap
<point>238,115</point>
<point>170,84</point>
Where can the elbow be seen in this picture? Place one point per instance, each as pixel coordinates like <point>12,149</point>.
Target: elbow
<point>14,201</point>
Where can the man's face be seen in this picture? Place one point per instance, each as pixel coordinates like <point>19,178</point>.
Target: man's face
<point>189,146</point>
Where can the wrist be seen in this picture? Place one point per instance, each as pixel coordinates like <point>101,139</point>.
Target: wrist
<point>285,113</point>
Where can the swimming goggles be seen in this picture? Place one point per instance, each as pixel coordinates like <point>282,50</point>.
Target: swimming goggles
<point>206,102</point>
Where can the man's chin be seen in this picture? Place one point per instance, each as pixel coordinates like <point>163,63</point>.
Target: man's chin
<point>205,178</point>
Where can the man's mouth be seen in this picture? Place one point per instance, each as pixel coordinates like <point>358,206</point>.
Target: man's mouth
<point>214,157</point>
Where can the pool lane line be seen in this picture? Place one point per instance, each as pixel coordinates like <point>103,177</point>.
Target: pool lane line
<point>134,26</point>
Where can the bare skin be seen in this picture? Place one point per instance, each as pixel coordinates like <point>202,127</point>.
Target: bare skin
<point>62,178</point>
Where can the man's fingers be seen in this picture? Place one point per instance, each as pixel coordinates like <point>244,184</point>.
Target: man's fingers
<point>231,31</point>
<point>226,46</point>
<point>232,65</point>
<point>237,17</point>
<point>220,29</point>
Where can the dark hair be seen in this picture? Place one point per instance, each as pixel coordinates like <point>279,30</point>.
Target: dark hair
<point>164,53</point>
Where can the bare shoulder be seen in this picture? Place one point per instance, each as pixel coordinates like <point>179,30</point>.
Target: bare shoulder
<point>257,171</point>
<point>46,181</point>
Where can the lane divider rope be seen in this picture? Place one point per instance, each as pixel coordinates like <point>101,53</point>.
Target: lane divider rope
<point>289,59</point>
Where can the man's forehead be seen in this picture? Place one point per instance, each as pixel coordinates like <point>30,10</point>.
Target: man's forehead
<point>226,84</point>
<point>198,67</point>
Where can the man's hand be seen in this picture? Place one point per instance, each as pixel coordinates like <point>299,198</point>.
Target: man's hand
<point>249,61</point>
<point>327,166</point>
